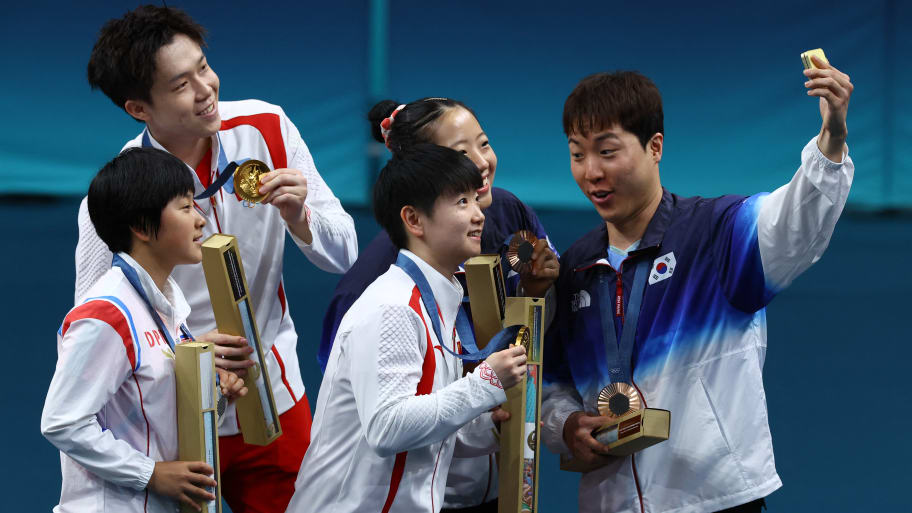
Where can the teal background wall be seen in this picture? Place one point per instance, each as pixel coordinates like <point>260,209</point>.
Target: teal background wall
<point>736,119</point>
<point>735,107</point>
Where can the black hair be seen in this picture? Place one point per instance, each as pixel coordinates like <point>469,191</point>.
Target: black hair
<point>417,176</point>
<point>131,191</point>
<point>414,124</point>
<point>122,63</point>
<point>625,98</point>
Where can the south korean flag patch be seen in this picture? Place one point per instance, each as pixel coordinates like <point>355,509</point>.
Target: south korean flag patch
<point>662,268</point>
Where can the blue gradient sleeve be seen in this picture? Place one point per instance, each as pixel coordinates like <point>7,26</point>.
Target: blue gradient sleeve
<point>736,253</point>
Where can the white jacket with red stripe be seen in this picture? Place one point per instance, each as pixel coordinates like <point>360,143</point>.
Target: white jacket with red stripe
<point>257,130</point>
<point>111,406</point>
<point>393,405</point>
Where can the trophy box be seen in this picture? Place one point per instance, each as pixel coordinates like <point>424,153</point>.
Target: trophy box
<point>629,433</point>
<point>227,284</point>
<point>635,431</point>
<point>487,296</point>
<point>520,436</point>
<point>197,415</point>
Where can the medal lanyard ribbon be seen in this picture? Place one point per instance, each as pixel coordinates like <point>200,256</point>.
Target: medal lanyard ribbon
<point>133,278</point>
<point>620,355</point>
<point>225,169</point>
<point>500,341</point>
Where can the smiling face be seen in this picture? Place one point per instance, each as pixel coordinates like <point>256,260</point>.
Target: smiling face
<point>452,231</point>
<point>184,106</point>
<point>616,173</point>
<point>180,233</point>
<point>459,130</point>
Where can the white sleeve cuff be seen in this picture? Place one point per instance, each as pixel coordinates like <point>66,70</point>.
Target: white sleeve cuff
<point>147,467</point>
<point>490,383</point>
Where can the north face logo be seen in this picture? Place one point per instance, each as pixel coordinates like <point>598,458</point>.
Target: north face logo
<point>579,300</point>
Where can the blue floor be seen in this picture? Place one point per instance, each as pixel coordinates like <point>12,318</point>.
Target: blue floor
<point>838,343</point>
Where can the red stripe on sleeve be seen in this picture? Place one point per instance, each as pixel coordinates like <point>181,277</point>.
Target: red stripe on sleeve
<point>269,126</point>
<point>398,469</point>
<point>282,297</point>
<point>109,314</point>
<point>282,368</point>
<point>430,364</point>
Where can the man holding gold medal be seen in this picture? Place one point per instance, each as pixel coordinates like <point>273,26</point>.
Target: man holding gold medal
<point>662,306</point>
<point>255,179</point>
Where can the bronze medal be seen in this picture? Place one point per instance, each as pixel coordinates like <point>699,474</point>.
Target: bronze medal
<point>618,399</point>
<point>247,180</point>
<point>519,253</point>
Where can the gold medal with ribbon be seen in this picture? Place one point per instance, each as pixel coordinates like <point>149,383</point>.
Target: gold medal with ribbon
<point>247,180</point>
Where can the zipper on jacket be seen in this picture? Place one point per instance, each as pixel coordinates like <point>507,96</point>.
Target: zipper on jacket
<point>636,477</point>
<point>434,473</point>
<point>636,480</point>
<point>490,474</point>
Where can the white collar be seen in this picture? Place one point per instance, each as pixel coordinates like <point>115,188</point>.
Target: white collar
<point>170,302</point>
<point>215,145</point>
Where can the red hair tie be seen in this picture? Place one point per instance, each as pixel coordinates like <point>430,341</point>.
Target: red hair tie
<point>387,123</point>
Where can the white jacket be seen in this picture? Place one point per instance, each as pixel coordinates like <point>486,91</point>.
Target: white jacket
<point>391,404</point>
<point>111,406</point>
<point>258,130</point>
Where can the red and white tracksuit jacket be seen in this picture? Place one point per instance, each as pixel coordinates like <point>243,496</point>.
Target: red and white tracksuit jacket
<point>257,130</point>
<point>111,407</point>
<point>393,405</point>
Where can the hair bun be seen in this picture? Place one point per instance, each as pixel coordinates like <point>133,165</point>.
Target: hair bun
<point>378,113</point>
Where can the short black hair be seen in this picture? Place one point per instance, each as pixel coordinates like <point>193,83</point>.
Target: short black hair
<point>131,191</point>
<point>414,124</point>
<point>625,98</point>
<point>417,176</point>
<point>122,63</point>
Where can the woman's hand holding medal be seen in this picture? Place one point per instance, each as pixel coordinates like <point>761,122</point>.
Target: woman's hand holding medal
<point>536,264</point>
<point>543,272</point>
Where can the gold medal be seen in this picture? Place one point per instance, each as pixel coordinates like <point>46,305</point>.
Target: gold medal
<point>519,253</point>
<point>523,338</point>
<point>618,399</point>
<point>247,180</point>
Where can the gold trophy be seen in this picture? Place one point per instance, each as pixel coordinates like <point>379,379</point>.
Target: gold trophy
<point>487,296</point>
<point>631,427</point>
<point>519,436</point>
<point>197,415</point>
<point>257,412</point>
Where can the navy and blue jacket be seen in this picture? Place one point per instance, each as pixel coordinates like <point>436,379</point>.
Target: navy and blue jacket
<point>700,340</point>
